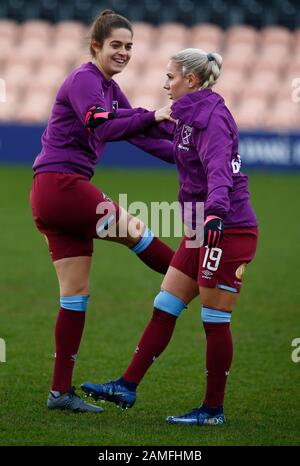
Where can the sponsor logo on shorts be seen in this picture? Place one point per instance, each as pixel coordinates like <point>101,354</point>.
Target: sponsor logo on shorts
<point>240,271</point>
<point>206,274</point>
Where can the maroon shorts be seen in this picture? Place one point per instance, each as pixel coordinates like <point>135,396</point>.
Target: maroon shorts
<point>64,210</point>
<point>221,267</point>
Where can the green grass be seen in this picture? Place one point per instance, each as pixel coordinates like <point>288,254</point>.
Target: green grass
<point>262,401</point>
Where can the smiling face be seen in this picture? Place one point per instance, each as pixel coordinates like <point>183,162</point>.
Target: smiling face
<point>178,85</point>
<point>115,52</point>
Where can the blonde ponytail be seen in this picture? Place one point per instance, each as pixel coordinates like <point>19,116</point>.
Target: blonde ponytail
<point>206,66</point>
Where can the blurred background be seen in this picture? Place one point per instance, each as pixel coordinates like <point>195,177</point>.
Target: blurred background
<point>41,41</point>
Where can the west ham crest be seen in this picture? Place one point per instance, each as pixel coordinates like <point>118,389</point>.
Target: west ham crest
<point>186,134</point>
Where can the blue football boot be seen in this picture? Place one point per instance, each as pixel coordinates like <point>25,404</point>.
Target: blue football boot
<point>198,417</point>
<point>113,391</point>
<point>72,402</point>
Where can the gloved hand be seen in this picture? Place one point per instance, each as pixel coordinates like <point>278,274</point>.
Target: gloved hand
<point>96,116</point>
<point>213,231</point>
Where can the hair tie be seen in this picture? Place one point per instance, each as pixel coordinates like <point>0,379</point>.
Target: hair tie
<point>210,57</point>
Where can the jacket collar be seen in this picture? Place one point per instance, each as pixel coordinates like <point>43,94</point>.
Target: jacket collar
<point>195,109</point>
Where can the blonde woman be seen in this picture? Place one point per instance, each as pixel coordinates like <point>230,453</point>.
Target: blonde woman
<point>205,146</point>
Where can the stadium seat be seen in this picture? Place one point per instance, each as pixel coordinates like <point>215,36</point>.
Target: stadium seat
<point>36,29</point>
<point>52,75</point>
<point>239,58</point>
<point>143,33</point>
<point>296,38</point>
<point>250,113</point>
<point>272,58</point>
<point>7,109</point>
<point>66,54</point>
<point>172,31</point>
<point>284,115</point>
<point>84,57</point>
<point>31,51</point>
<point>9,29</point>
<point>230,84</point>
<point>148,100</point>
<point>141,56</point>
<point>241,34</point>
<point>17,76</point>
<point>127,80</point>
<point>151,82</point>
<point>35,108</point>
<point>275,35</point>
<point>70,30</point>
<point>258,66</point>
<point>240,49</point>
<point>207,46</point>
<point>292,67</point>
<point>161,56</point>
<point>288,87</point>
<point>205,31</point>
<point>262,85</point>
<point>145,101</point>
<point>7,48</point>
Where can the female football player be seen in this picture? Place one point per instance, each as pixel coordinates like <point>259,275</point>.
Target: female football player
<point>205,144</point>
<point>89,110</point>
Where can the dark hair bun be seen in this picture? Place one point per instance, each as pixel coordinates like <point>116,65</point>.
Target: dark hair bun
<point>107,12</point>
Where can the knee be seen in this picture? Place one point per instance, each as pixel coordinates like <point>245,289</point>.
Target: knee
<point>169,303</point>
<point>72,289</point>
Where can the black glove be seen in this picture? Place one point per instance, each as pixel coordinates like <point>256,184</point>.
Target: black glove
<point>95,116</point>
<point>213,231</point>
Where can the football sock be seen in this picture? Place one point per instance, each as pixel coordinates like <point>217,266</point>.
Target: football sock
<point>153,252</point>
<point>153,342</point>
<point>68,331</point>
<point>219,353</point>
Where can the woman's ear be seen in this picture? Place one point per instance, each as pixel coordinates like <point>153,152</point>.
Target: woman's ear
<point>95,46</point>
<point>192,80</point>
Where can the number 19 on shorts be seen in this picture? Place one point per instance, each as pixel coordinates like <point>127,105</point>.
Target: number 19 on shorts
<point>212,259</point>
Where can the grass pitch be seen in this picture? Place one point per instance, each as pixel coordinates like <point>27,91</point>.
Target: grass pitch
<point>263,398</point>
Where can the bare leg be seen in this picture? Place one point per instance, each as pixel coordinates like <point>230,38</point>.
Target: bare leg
<point>134,234</point>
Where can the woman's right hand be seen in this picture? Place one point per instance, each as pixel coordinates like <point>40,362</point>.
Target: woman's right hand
<point>164,113</point>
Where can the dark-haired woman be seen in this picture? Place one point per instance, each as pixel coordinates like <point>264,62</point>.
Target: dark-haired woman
<point>89,110</point>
